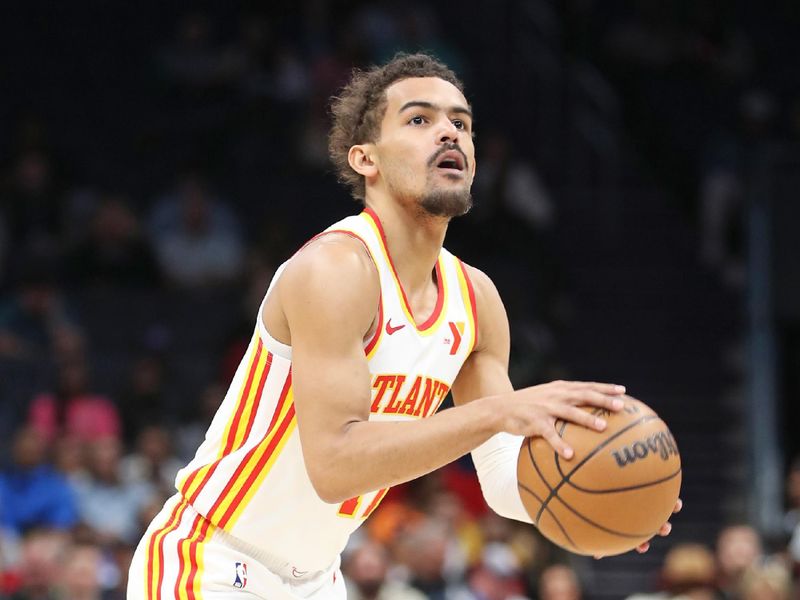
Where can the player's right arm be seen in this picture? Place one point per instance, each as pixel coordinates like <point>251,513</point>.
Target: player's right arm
<point>328,296</point>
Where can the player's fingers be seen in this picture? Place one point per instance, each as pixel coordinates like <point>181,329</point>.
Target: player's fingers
<point>610,389</point>
<point>642,548</point>
<point>576,415</point>
<point>551,437</point>
<point>678,506</point>
<point>594,398</point>
<point>665,529</point>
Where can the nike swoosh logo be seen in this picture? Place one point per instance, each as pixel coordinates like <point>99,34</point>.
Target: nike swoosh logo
<point>297,573</point>
<point>390,330</point>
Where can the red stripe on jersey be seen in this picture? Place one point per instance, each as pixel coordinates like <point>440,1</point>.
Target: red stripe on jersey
<point>439,301</point>
<point>472,302</point>
<point>242,401</point>
<point>232,433</point>
<point>440,284</point>
<point>246,458</point>
<point>378,329</point>
<point>257,400</point>
<point>262,460</point>
<point>375,501</point>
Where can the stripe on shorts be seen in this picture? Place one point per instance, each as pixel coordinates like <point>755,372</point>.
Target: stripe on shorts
<point>154,558</point>
<point>189,548</point>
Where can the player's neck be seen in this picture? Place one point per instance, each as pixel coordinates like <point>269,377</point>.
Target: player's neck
<point>414,241</point>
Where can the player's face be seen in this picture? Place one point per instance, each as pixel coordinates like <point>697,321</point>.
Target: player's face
<point>425,150</point>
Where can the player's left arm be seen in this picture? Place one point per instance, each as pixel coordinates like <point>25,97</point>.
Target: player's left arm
<point>485,373</point>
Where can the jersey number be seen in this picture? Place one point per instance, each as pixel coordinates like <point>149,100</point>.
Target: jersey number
<point>350,507</point>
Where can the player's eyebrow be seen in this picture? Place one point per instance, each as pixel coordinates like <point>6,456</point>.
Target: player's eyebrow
<point>430,105</point>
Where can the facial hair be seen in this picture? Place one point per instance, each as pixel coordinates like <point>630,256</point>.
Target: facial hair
<point>445,203</point>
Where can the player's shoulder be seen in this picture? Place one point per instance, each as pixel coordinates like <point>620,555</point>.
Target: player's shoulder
<point>333,251</point>
<point>331,261</point>
<point>482,284</point>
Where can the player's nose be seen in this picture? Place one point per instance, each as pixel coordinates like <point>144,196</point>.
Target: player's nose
<point>447,132</point>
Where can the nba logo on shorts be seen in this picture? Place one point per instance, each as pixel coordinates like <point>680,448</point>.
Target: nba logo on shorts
<point>241,575</point>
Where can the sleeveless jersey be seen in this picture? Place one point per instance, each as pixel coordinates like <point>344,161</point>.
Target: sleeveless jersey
<point>248,476</point>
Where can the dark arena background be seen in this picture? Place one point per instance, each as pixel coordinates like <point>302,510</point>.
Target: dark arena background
<point>636,204</point>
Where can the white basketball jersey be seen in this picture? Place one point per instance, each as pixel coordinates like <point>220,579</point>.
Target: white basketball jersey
<point>248,476</point>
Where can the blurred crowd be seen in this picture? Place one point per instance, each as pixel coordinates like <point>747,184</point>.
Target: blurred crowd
<point>138,235</point>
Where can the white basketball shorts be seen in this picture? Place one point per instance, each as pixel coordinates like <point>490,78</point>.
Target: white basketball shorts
<point>183,556</point>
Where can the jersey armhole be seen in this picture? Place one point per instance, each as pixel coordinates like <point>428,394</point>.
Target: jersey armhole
<point>285,350</point>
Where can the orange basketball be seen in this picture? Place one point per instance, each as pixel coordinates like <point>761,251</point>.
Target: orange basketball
<point>617,490</point>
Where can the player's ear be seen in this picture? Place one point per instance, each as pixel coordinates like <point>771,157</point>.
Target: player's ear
<point>361,160</point>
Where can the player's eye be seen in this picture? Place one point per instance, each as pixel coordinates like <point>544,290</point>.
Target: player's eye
<point>417,120</point>
<point>459,124</point>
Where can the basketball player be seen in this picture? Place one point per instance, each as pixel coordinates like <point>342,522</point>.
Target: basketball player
<point>360,337</point>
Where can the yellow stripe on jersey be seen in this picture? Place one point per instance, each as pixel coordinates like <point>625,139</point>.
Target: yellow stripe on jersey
<point>255,354</point>
<point>256,463</point>
<point>240,422</point>
<point>468,297</point>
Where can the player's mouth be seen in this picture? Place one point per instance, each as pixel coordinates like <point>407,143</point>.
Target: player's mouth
<point>451,162</point>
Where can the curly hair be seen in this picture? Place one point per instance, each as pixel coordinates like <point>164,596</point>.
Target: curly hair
<point>358,110</point>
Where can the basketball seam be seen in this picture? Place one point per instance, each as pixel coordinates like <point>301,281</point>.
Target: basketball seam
<point>622,489</point>
<point>603,527</point>
<point>550,512</point>
<point>565,478</point>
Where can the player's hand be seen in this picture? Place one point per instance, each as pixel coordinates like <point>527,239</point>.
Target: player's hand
<point>663,532</point>
<point>542,405</point>
<point>665,528</point>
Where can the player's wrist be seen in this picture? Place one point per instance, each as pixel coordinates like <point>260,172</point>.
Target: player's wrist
<point>491,415</point>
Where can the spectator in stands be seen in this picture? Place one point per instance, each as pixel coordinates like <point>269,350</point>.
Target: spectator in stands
<point>106,503</point>
<point>39,569</point>
<point>770,581</point>
<point>143,398</point>
<point>115,253</point>
<point>559,582</point>
<point>72,409</point>
<point>196,236</point>
<point>34,317</point>
<point>32,493</point>
<point>69,458</point>
<point>687,574</point>
<point>365,568</point>
<point>80,579</point>
<point>739,547</point>
<point>497,576</point>
<point>153,463</point>
<point>192,429</point>
<point>194,59</point>
<point>426,550</point>
<point>791,519</point>
<point>31,203</point>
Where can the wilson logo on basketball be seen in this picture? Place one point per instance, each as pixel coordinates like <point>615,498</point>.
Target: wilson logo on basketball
<point>661,444</point>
